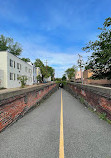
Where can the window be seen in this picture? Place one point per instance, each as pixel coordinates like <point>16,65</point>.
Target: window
<point>12,76</point>
<point>30,71</point>
<point>11,63</point>
<point>18,66</point>
<point>18,76</point>
<point>14,64</point>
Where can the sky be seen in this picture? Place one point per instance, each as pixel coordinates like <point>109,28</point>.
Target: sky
<point>53,30</point>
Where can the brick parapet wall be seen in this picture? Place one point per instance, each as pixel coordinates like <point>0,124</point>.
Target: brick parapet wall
<point>97,97</point>
<point>14,104</point>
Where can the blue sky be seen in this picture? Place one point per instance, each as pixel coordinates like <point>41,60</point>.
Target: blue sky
<point>55,30</point>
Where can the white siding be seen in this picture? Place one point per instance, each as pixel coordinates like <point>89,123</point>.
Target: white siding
<point>38,71</point>
<point>47,79</point>
<point>18,69</point>
<point>1,78</point>
<point>34,75</point>
<point>3,66</point>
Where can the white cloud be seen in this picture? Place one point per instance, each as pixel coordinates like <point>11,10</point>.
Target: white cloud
<point>60,61</point>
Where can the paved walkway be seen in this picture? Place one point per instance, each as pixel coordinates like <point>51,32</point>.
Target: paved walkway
<point>19,88</point>
<point>37,134</point>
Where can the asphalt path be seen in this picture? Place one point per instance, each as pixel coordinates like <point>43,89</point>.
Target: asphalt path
<point>37,134</point>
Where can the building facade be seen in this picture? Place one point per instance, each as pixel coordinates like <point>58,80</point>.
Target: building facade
<point>47,79</point>
<point>38,71</point>
<point>87,74</point>
<point>1,79</point>
<point>34,75</point>
<point>87,80</point>
<point>34,72</point>
<point>78,76</point>
<point>12,67</point>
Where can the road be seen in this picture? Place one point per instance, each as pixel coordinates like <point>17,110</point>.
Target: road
<point>60,123</point>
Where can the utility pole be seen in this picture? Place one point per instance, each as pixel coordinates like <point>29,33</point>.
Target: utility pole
<point>80,64</point>
<point>46,62</point>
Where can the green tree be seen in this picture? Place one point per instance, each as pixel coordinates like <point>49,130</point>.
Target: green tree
<point>58,79</point>
<point>46,71</point>
<point>25,59</point>
<point>50,71</point>
<point>8,44</point>
<point>70,72</point>
<point>39,63</point>
<point>100,60</point>
<point>39,78</point>
<point>64,77</point>
<point>3,43</point>
<point>23,80</point>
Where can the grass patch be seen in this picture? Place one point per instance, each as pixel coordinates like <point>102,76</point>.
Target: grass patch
<point>102,116</point>
<point>82,100</point>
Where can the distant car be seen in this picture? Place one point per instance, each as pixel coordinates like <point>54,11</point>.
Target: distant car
<point>61,85</point>
<point>44,81</point>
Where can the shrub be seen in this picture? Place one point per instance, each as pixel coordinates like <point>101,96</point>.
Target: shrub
<point>23,80</point>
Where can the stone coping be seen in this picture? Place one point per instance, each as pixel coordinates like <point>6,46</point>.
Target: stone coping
<point>104,91</point>
<point>7,93</point>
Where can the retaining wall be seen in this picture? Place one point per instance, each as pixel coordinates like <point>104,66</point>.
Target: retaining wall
<point>15,103</point>
<point>97,97</point>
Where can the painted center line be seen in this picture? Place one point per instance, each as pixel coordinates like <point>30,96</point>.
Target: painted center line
<point>61,145</point>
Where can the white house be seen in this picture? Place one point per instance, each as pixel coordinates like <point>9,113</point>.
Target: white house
<point>47,79</point>
<point>1,79</point>
<point>38,71</point>
<point>11,67</point>
<point>34,75</point>
<point>34,72</point>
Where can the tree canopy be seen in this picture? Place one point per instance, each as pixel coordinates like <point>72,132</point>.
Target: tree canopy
<point>64,77</point>
<point>25,59</point>
<point>50,71</point>
<point>100,60</point>
<point>70,72</point>
<point>7,43</point>
<point>46,71</point>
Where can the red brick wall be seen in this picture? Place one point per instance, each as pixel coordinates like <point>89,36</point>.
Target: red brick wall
<point>98,98</point>
<point>16,106</point>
